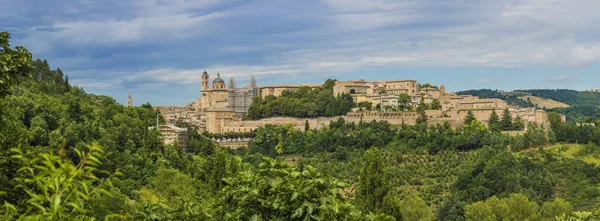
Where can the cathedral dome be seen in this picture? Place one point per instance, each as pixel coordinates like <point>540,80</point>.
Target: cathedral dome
<point>218,80</point>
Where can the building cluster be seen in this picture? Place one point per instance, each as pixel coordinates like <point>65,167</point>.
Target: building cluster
<point>221,107</point>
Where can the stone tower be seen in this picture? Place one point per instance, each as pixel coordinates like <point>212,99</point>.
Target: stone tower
<point>205,78</point>
<point>252,82</point>
<point>129,100</point>
<point>231,83</point>
<point>443,89</point>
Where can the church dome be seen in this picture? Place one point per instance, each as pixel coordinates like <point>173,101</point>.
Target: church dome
<point>218,80</point>
<point>205,73</point>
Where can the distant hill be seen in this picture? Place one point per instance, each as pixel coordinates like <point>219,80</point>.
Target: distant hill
<point>511,98</point>
<point>578,106</point>
<point>544,102</point>
<point>570,97</point>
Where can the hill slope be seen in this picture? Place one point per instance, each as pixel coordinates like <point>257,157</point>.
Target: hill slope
<point>544,102</point>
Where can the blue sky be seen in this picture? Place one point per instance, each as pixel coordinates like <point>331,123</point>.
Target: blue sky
<point>158,49</point>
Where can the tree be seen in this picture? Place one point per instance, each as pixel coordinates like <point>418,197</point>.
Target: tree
<point>435,104</point>
<point>373,185</point>
<point>405,101</point>
<point>13,63</point>
<point>494,122</point>
<point>219,170</point>
<point>516,207</point>
<point>278,191</point>
<point>415,208</point>
<point>306,126</point>
<point>469,118</point>
<point>58,189</point>
<point>506,123</point>
<point>518,124</point>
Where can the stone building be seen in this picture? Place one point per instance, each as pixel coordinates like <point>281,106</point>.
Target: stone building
<point>219,117</point>
<point>171,134</point>
<point>241,98</point>
<point>216,96</point>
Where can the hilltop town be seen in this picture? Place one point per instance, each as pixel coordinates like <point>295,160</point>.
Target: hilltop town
<point>221,108</point>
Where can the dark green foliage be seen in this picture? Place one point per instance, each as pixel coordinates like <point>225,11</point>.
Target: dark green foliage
<point>15,63</point>
<point>373,185</point>
<point>494,121</point>
<point>579,114</point>
<point>436,105</point>
<point>469,118</point>
<point>497,173</point>
<point>278,191</point>
<point>506,122</point>
<point>570,97</point>
<point>304,102</point>
<point>306,126</point>
<point>405,101</point>
<point>365,105</point>
<point>284,139</point>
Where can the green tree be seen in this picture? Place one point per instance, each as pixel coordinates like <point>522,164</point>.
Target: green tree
<point>494,122</point>
<point>469,118</point>
<point>58,189</point>
<point>405,101</point>
<point>435,104</point>
<point>13,63</point>
<point>277,191</point>
<point>415,208</point>
<point>515,208</point>
<point>306,126</point>
<point>219,170</point>
<point>373,185</point>
<point>518,124</point>
<point>556,208</point>
<point>506,123</point>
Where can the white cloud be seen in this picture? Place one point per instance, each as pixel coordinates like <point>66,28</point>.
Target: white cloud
<point>559,78</point>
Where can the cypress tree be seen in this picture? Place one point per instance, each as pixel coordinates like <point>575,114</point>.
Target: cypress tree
<point>373,185</point>
<point>494,122</point>
<point>506,122</point>
<point>219,171</point>
<point>306,126</point>
<point>469,118</point>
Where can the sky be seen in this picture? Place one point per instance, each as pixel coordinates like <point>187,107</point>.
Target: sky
<point>157,50</point>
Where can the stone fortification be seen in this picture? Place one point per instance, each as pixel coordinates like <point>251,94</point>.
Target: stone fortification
<point>220,109</point>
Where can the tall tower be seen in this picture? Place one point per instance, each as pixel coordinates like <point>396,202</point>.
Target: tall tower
<point>205,78</point>
<point>443,89</point>
<point>252,82</point>
<point>129,100</point>
<point>231,83</point>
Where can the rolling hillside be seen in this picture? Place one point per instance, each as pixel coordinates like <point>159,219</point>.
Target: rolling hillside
<point>544,102</point>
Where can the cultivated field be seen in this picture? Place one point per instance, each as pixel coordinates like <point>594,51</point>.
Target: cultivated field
<point>543,102</point>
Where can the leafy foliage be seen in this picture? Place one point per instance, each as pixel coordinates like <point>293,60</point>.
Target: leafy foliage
<point>304,102</point>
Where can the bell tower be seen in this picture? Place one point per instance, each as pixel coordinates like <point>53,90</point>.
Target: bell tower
<point>129,100</point>
<point>205,78</point>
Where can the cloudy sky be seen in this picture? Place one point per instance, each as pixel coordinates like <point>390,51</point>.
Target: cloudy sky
<point>158,49</point>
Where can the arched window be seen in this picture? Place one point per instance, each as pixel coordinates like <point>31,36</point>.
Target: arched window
<point>352,91</point>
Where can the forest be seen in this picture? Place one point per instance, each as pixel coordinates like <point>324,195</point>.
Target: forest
<point>69,155</point>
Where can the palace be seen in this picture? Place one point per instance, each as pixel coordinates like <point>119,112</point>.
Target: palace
<point>221,107</point>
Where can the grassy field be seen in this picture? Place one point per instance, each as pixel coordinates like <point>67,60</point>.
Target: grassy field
<point>570,150</point>
<point>543,102</point>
